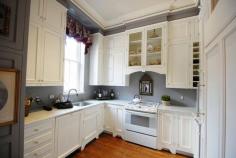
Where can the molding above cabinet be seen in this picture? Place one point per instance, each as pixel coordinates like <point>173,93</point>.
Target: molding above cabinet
<point>95,27</point>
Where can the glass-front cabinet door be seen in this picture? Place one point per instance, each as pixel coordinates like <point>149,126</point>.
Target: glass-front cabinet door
<point>135,48</point>
<point>154,46</point>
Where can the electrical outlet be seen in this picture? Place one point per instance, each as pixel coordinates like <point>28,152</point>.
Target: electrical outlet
<point>181,97</point>
<point>51,96</point>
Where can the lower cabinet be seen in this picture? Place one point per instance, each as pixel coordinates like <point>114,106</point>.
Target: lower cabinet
<point>67,134</point>
<point>113,119</point>
<point>177,132</point>
<point>39,139</point>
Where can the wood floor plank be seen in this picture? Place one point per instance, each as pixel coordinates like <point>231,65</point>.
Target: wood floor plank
<point>108,147</point>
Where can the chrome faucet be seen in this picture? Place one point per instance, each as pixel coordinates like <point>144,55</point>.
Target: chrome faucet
<point>68,96</point>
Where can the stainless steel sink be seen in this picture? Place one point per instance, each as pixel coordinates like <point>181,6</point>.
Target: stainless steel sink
<point>82,103</point>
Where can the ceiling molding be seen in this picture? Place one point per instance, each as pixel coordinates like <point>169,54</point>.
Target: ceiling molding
<point>133,16</point>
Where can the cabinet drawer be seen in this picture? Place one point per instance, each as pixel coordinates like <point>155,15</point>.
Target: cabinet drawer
<point>33,143</point>
<point>41,152</point>
<point>37,128</point>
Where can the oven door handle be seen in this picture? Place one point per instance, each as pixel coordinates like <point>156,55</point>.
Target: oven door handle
<point>150,115</point>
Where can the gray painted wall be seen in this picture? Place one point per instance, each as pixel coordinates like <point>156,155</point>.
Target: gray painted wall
<point>44,92</point>
<point>159,89</point>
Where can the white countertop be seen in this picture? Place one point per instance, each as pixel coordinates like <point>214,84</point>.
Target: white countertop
<point>175,108</point>
<point>43,114</point>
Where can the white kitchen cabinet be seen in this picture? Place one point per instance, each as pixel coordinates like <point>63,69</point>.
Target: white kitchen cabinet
<point>114,119</point>
<point>114,60</point>
<point>39,139</point>
<point>67,134</point>
<point>183,53</point>
<point>178,65</point>
<point>46,44</point>
<point>92,124</point>
<point>107,60</point>
<point>96,60</point>
<point>109,119</point>
<point>176,132</point>
<point>53,58</point>
<point>119,119</point>
<point>100,119</point>
<point>147,49</point>
<point>165,128</point>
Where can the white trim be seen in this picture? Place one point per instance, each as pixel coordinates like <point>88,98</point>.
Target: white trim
<point>133,16</point>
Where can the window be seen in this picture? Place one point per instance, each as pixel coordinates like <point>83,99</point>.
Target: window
<point>74,65</point>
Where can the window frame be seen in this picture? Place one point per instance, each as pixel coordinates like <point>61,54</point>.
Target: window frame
<point>81,67</point>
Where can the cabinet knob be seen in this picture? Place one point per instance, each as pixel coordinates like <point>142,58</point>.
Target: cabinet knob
<point>35,154</point>
<point>36,142</point>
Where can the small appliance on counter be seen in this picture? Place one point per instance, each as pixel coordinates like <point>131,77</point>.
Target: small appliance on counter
<point>103,94</point>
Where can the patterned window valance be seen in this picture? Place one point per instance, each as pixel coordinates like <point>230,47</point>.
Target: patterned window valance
<point>79,32</point>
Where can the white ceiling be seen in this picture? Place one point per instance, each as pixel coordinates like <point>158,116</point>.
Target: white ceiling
<point>110,13</point>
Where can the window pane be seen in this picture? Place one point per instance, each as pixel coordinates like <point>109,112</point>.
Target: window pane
<point>72,49</point>
<point>74,75</point>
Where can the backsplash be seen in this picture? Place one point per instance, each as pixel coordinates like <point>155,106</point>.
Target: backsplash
<point>159,89</point>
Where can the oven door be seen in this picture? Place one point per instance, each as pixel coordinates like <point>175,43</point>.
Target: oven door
<point>141,122</point>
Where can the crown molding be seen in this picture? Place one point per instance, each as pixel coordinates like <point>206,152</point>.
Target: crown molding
<point>133,16</point>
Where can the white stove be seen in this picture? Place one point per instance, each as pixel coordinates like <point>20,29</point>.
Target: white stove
<point>141,123</point>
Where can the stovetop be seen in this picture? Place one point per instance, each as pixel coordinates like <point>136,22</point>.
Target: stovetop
<point>149,107</point>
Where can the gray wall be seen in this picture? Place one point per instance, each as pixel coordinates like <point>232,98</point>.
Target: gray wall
<point>44,92</point>
<point>159,89</point>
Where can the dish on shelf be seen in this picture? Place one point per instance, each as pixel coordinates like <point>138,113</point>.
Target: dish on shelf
<point>154,62</point>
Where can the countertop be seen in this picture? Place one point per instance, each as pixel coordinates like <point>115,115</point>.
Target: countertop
<point>175,108</point>
<point>43,114</point>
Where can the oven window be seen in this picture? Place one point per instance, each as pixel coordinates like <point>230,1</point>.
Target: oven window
<point>140,120</point>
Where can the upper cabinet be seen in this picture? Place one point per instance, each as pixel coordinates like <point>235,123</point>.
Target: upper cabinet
<point>46,43</point>
<point>183,53</point>
<point>107,60</point>
<point>147,49</point>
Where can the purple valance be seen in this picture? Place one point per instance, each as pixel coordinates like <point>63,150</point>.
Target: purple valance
<point>79,32</point>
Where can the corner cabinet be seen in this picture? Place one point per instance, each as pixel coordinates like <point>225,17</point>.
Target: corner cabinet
<point>147,49</point>
<point>46,43</point>
<point>107,60</point>
<point>114,119</point>
<point>183,54</point>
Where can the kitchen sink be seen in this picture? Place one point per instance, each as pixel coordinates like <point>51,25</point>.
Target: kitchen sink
<point>82,103</point>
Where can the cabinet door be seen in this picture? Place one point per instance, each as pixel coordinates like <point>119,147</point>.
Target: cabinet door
<point>135,48</point>
<point>36,11</point>
<point>166,128</point>
<point>214,109</point>
<point>34,54</point>
<point>186,136</point>
<point>89,127</point>
<point>119,121</point>
<point>179,30</point>
<point>100,119</point>
<point>109,118</point>
<point>154,46</point>
<point>178,65</point>
<point>54,15</point>
<point>108,68</point>
<point>118,69</point>
<point>230,48</point>
<point>67,134</point>
<point>53,58</point>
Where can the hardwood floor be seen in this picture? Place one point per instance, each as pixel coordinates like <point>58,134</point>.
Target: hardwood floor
<point>108,147</point>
